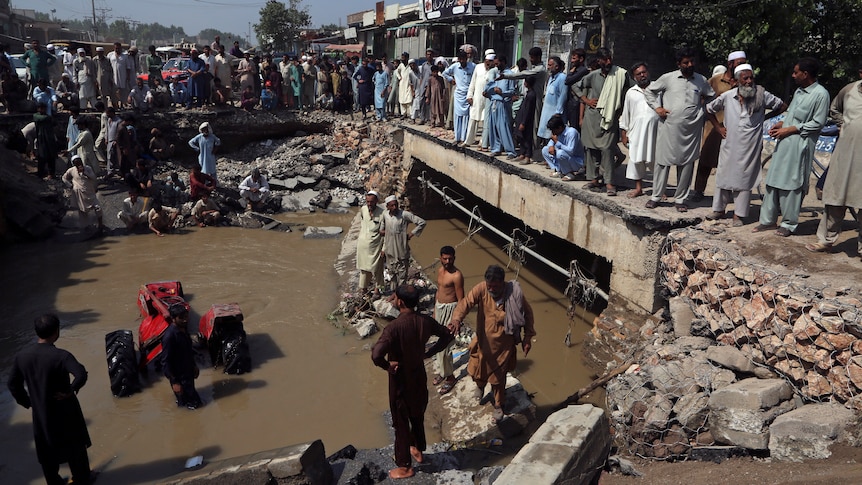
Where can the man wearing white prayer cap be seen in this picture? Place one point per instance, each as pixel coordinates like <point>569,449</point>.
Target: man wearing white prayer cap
<point>738,171</point>
<point>395,238</point>
<point>720,83</point>
<point>476,98</point>
<point>369,243</point>
<point>204,143</point>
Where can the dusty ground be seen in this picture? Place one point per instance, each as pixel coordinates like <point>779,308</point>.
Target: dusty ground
<point>843,467</point>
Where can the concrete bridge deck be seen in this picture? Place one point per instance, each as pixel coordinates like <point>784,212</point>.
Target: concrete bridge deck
<point>619,229</point>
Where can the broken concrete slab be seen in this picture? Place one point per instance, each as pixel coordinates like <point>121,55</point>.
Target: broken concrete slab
<point>806,433</point>
<point>740,414</point>
<point>570,447</point>
<point>298,200</point>
<point>730,358</point>
<point>752,393</point>
<point>365,327</point>
<point>326,232</point>
<point>385,308</point>
<point>304,462</point>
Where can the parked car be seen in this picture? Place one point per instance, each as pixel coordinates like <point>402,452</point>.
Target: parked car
<point>175,66</point>
<point>20,68</point>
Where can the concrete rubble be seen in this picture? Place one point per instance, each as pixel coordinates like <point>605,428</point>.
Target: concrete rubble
<point>744,357</point>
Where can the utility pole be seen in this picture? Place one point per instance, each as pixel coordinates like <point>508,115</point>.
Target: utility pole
<point>95,25</point>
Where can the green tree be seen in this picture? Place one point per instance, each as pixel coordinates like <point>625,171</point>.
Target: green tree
<point>330,27</point>
<point>226,37</point>
<point>281,23</point>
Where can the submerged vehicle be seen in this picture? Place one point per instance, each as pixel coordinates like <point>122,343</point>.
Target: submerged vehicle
<point>221,329</point>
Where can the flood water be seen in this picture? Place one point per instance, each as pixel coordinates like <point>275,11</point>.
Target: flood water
<point>310,380</point>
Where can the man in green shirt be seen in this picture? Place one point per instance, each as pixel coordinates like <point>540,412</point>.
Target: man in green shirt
<point>153,63</point>
<point>790,168</point>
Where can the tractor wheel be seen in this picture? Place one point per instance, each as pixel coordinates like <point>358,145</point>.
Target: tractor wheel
<point>122,364</point>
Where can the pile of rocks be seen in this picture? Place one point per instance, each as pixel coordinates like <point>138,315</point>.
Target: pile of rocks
<point>733,360</point>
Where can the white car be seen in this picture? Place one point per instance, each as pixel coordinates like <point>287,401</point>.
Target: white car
<point>20,67</point>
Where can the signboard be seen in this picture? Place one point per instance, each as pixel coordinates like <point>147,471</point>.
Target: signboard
<point>350,33</point>
<point>446,9</point>
<point>380,11</point>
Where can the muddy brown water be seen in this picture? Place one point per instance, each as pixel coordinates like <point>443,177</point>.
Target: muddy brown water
<point>310,380</point>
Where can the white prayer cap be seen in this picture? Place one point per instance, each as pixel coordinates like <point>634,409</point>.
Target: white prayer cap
<point>743,67</point>
<point>490,57</point>
<point>411,61</point>
<point>391,198</point>
<point>203,126</point>
<point>81,50</point>
<point>489,51</point>
<point>50,47</point>
<point>719,69</point>
<point>736,55</point>
<point>304,58</point>
<point>75,157</point>
<point>100,49</point>
<point>374,193</point>
<point>454,59</point>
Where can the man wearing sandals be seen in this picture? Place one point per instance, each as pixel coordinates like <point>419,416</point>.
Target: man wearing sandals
<point>678,98</point>
<point>450,290</point>
<point>843,187</point>
<point>790,168</point>
<point>504,320</point>
<point>401,351</point>
<point>602,92</point>
<point>744,109</point>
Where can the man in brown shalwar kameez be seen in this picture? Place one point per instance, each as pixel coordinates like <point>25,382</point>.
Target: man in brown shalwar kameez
<point>401,351</point>
<point>503,313</point>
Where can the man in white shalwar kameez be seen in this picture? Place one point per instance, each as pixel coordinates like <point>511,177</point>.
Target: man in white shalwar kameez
<point>638,124</point>
<point>369,243</point>
<point>475,98</point>
<point>739,156</point>
<point>396,239</point>
<point>84,73</point>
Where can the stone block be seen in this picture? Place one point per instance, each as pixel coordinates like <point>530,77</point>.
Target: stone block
<point>570,447</point>
<point>365,327</point>
<point>807,432</point>
<point>730,358</point>
<point>681,315</point>
<point>751,394</point>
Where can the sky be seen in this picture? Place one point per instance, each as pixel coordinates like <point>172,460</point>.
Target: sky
<point>195,15</point>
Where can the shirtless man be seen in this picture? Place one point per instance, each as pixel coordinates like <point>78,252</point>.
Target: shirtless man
<point>450,290</point>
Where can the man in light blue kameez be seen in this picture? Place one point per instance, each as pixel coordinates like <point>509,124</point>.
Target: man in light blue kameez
<point>460,73</point>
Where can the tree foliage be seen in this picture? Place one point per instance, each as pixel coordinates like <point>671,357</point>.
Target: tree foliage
<point>330,27</point>
<point>774,33</point>
<point>281,23</point>
<point>125,31</point>
<point>227,38</point>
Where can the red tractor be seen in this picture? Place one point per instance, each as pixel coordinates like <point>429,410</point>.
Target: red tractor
<point>222,331</point>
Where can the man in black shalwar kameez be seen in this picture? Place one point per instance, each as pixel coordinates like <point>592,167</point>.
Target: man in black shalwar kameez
<point>403,342</point>
<point>59,429</point>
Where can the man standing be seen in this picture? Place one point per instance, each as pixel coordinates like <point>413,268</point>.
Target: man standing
<point>475,97</point>
<point>450,290</point>
<point>739,166</point>
<point>421,104</point>
<point>504,315</point>
<point>59,429</point>
<point>122,69</point>
<point>153,64</point>
<point>83,182</point>
<point>105,78</point>
<point>401,351</point>
<point>539,72</point>
<point>638,125</point>
<point>555,96</point>
<point>790,168</point>
<point>224,70</point>
<point>369,258</point>
<point>602,92</point>
<point>178,358</point>
<point>364,77</point>
<point>721,83</point>
<point>84,74</point>
<point>498,116</point>
<point>406,85</point>
<point>38,61</point>
<point>577,71</point>
<point>460,74</point>
<point>678,98</point>
<point>204,143</point>
<point>843,187</point>
<point>396,238</point>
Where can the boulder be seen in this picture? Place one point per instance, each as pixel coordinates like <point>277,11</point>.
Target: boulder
<point>807,432</point>
<point>365,327</point>
<point>314,232</point>
<point>385,308</point>
<point>681,315</point>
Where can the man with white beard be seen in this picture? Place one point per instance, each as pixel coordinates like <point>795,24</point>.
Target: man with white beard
<point>739,158</point>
